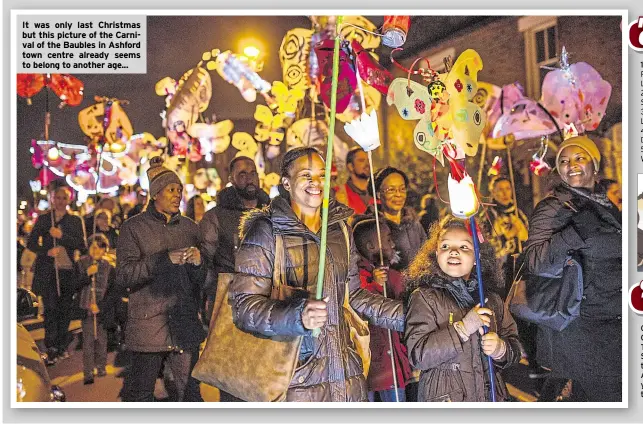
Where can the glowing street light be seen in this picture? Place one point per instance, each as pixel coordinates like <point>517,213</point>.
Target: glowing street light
<point>251,51</point>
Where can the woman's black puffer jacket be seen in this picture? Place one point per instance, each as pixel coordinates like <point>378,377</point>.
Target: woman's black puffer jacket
<point>574,222</point>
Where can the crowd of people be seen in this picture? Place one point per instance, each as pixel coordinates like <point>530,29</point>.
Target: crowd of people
<point>152,272</point>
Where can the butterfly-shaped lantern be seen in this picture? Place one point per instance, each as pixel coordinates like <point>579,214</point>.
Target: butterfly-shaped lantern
<point>444,106</point>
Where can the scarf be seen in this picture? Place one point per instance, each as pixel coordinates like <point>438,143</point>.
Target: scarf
<point>504,209</point>
<point>461,291</point>
<point>596,196</point>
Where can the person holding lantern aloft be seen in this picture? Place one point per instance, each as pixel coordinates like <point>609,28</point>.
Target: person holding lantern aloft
<point>444,320</point>
<point>329,366</point>
<point>577,220</point>
<point>54,239</point>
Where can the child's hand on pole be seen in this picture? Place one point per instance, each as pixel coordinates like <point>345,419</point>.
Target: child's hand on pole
<point>492,345</point>
<point>380,275</point>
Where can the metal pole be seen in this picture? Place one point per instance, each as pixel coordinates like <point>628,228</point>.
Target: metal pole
<point>379,241</point>
<point>476,247</point>
<point>329,161</point>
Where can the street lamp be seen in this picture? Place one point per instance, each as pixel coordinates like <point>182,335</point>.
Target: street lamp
<point>252,52</point>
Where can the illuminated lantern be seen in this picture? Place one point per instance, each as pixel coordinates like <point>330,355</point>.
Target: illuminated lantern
<point>46,176</point>
<point>495,166</point>
<point>394,30</point>
<point>462,197</point>
<point>68,88</point>
<point>539,167</point>
<point>246,145</point>
<point>70,165</point>
<point>53,154</point>
<point>37,158</point>
<point>272,151</point>
<point>214,138</point>
<point>365,131</point>
<point>238,73</point>
<point>29,85</point>
<point>347,81</point>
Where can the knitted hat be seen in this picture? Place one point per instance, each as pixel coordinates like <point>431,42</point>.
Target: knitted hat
<point>584,143</point>
<point>160,176</point>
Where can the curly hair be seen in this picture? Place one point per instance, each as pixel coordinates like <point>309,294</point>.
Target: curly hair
<point>424,268</point>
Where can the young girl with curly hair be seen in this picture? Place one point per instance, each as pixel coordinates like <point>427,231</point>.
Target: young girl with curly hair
<point>444,334</point>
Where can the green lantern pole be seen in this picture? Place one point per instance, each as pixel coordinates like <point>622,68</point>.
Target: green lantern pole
<point>329,163</point>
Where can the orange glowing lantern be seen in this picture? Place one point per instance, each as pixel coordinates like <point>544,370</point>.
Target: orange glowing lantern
<point>394,30</point>
<point>29,85</point>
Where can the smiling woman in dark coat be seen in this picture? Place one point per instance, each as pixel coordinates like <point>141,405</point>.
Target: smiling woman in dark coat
<point>578,220</point>
<point>329,369</point>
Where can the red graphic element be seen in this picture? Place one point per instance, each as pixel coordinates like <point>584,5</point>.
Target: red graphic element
<point>420,106</point>
<point>458,85</point>
<point>636,298</point>
<point>635,34</point>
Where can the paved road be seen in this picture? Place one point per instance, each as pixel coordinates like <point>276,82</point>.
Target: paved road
<point>68,374</point>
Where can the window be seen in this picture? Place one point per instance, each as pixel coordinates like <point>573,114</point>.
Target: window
<point>541,49</point>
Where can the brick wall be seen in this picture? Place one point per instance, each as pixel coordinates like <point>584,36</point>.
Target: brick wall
<point>502,49</point>
<point>597,41</point>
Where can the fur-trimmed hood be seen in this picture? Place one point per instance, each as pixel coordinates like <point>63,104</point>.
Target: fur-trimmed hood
<point>284,220</point>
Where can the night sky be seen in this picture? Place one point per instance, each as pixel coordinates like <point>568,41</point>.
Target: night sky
<point>174,45</point>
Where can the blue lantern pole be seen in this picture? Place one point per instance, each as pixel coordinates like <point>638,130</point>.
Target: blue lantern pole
<point>476,248</point>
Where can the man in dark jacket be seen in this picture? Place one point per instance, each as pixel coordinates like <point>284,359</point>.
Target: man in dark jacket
<point>220,229</point>
<point>159,261</point>
<point>220,225</point>
<point>55,237</point>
